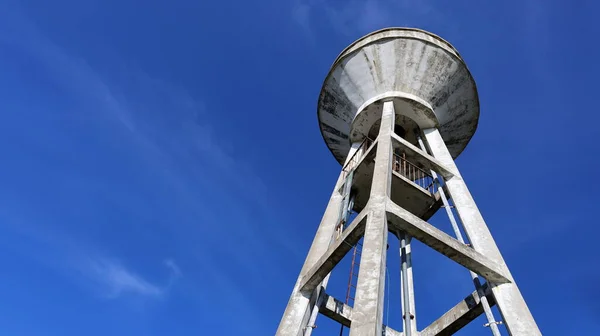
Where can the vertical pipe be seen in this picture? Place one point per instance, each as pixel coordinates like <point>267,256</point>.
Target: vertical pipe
<point>349,209</point>
<point>315,312</point>
<point>346,201</point>
<point>405,286</point>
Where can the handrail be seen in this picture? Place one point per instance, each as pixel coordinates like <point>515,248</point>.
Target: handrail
<point>365,144</point>
<point>400,165</point>
<point>414,173</point>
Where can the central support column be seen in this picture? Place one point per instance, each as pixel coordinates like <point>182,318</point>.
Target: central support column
<point>367,315</point>
<point>512,306</point>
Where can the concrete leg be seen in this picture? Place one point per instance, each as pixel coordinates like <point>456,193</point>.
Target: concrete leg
<point>512,306</point>
<point>301,304</point>
<point>484,301</point>
<point>297,311</point>
<point>367,316</point>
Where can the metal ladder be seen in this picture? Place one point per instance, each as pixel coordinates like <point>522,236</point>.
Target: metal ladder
<point>352,277</point>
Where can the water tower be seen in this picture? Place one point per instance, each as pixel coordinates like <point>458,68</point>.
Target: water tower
<point>397,107</point>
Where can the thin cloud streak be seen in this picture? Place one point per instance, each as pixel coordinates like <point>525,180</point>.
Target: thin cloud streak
<point>86,267</point>
<point>173,267</point>
<point>359,17</point>
<point>116,280</point>
<point>166,127</point>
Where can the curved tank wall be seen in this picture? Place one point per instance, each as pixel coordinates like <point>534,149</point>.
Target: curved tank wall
<point>404,60</point>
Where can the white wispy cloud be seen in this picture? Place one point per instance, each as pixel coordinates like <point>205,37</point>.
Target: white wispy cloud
<point>90,269</point>
<point>358,17</point>
<point>173,267</point>
<point>116,280</point>
<point>171,130</point>
<point>301,14</point>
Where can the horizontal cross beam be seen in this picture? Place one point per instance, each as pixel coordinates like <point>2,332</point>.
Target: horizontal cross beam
<point>416,155</point>
<point>460,315</point>
<point>342,313</point>
<point>336,310</point>
<point>403,220</point>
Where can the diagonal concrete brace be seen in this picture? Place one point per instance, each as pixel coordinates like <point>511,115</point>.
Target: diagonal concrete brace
<point>460,315</point>
<point>335,253</point>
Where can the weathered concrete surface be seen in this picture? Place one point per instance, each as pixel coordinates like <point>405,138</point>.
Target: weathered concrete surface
<point>476,281</point>
<point>403,220</point>
<point>412,62</point>
<point>406,186</point>
<point>387,331</point>
<point>297,311</point>
<point>433,209</point>
<point>299,308</point>
<point>413,198</point>
<point>336,310</point>
<point>335,253</point>
<point>415,113</point>
<point>342,313</point>
<point>369,299</point>
<point>404,191</point>
<point>459,316</point>
<point>512,306</point>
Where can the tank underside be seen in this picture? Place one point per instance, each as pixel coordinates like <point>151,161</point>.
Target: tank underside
<point>424,75</point>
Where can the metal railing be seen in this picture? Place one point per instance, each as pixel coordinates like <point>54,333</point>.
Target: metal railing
<point>412,172</point>
<point>355,159</point>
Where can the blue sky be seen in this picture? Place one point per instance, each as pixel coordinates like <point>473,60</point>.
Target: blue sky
<point>163,173</point>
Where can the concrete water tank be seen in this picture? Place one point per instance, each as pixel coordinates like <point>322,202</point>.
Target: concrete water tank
<point>423,74</point>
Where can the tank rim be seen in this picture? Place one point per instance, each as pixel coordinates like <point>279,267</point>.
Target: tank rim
<point>344,54</point>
